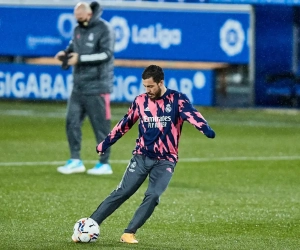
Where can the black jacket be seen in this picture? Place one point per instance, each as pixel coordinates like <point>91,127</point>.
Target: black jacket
<point>94,72</point>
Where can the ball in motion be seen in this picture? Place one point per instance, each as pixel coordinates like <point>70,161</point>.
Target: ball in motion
<point>86,230</point>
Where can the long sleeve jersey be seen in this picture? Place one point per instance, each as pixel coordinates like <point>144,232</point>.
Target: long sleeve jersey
<point>94,72</point>
<point>160,125</point>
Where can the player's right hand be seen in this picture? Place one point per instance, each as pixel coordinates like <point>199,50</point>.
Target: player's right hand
<point>60,54</point>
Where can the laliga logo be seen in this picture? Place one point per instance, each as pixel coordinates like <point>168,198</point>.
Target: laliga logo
<point>122,32</point>
<point>152,35</point>
<point>232,37</point>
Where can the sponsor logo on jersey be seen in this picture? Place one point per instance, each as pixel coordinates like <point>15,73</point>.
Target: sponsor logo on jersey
<point>156,121</point>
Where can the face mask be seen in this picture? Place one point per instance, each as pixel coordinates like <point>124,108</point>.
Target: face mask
<point>83,24</point>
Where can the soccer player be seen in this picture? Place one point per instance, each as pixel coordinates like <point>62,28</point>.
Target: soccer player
<point>161,113</point>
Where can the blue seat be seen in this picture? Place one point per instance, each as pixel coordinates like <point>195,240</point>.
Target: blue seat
<point>282,87</point>
<point>279,91</point>
<point>298,90</point>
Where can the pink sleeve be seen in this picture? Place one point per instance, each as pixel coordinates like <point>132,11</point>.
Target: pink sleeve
<point>121,128</point>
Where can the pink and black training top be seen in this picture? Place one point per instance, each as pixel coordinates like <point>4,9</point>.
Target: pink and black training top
<point>160,125</point>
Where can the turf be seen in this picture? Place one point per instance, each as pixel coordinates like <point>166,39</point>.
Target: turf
<point>238,191</point>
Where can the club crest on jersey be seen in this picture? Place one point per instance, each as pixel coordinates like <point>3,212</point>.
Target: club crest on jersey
<point>91,37</point>
<point>168,108</point>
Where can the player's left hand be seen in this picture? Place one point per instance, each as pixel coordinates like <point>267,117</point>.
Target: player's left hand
<point>99,152</point>
<point>73,58</point>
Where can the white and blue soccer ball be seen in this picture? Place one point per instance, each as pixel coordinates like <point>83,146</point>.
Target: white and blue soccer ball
<point>86,230</point>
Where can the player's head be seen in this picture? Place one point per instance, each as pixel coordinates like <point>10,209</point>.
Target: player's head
<point>83,13</point>
<point>153,81</point>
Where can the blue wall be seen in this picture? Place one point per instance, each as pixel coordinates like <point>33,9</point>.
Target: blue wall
<point>274,47</point>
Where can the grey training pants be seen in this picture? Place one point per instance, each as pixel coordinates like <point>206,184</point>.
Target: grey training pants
<point>160,173</point>
<point>97,108</point>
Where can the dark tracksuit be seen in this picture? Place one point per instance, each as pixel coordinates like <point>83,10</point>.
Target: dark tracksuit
<point>93,81</point>
<point>155,154</point>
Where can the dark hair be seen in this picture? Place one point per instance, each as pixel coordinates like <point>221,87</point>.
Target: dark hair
<point>155,72</point>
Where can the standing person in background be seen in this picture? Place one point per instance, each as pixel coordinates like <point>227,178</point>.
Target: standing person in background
<point>91,53</point>
<point>161,113</point>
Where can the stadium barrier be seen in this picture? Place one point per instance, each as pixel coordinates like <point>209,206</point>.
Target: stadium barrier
<point>142,63</point>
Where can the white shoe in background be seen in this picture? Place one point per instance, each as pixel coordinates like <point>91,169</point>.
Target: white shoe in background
<point>72,166</point>
<point>100,169</point>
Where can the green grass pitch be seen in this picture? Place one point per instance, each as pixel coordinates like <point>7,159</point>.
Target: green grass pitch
<point>240,190</point>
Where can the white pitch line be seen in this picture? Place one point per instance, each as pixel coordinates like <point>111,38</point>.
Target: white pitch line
<point>251,123</point>
<point>227,159</point>
<point>58,163</point>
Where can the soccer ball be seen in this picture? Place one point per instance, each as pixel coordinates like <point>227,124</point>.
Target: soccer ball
<point>86,230</point>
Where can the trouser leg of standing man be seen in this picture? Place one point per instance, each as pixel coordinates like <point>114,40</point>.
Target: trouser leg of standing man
<point>74,119</point>
<point>98,110</point>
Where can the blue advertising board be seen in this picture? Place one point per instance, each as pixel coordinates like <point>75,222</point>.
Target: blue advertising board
<point>207,35</point>
<point>32,82</point>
